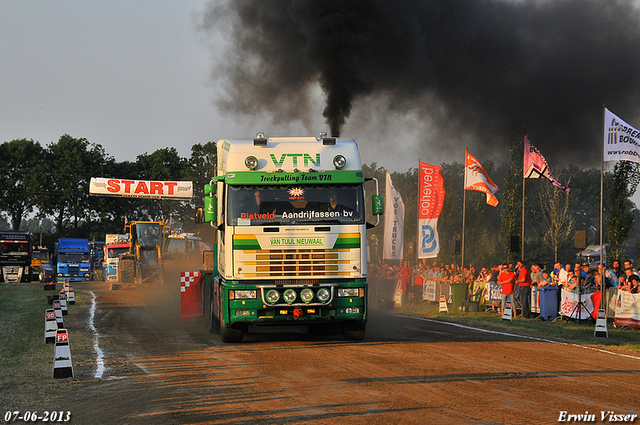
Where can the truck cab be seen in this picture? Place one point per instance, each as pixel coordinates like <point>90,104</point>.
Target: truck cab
<point>73,260</point>
<point>15,257</point>
<point>291,232</point>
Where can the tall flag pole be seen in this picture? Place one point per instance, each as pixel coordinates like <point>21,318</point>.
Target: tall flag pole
<point>523,198</point>
<point>476,178</point>
<point>430,201</point>
<point>464,209</point>
<point>602,276</point>
<point>534,167</point>
<point>621,142</point>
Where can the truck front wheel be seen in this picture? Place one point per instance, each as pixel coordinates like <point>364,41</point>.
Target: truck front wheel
<point>127,269</point>
<point>229,334</point>
<point>214,323</point>
<point>353,331</point>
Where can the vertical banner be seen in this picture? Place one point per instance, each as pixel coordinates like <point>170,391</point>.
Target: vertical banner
<point>393,222</point>
<point>430,201</point>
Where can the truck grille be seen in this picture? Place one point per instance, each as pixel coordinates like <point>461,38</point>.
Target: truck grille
<point>341,258</point>
<point>299,262</point>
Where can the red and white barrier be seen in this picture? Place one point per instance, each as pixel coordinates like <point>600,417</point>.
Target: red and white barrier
<point>58,312</point>
<point>62,364</point>
<point>50,326</point>
<point>190,295</point>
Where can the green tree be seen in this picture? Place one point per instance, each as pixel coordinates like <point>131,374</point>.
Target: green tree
<point>162,165</point>
<point>450,220</point>
<point>621,216</point>
<point>21,178</point>
<point>70,165</point>
<point>556,221</point>
<point>512,194</point>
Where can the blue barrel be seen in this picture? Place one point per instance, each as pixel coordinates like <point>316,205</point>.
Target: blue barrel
<point>548,302</point>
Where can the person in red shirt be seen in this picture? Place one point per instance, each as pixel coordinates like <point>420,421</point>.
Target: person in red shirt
<point>405,282</point>
<point>507,281</point>
<point>524,280</point>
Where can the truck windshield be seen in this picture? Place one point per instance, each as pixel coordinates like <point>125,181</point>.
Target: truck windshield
<point>177,246</point>
<point>116,252</point>
<point>75,257</point>
<point>148,234</point>
<point>14,248</point>
<point>40,255</point>
<point>266,205</point>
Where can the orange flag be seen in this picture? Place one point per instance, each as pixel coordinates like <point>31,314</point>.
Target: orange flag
<point>476,178</point>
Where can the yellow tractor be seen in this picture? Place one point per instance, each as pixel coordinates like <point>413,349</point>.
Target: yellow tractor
<point>143,262</point>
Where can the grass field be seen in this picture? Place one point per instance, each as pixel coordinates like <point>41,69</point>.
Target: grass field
<point>26,362</point>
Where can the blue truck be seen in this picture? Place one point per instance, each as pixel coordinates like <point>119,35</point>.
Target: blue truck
<point>72,260</point>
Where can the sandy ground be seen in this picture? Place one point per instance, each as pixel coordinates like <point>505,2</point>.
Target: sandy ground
<point>159,370</point>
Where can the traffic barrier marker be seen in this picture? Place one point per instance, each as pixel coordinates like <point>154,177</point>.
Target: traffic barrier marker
<point>443,308</point>
<point>62,364</point>
<point>71,296</point>
<point>63,302</point>
<point>50,326</point>
<point>58,312</point>
<point>601,325</point>
<point>507,314</point>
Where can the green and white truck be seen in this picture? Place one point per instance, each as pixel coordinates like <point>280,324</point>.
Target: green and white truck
<point>291,245</point>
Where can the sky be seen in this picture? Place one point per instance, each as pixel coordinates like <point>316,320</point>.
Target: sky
<point>139,76</point>
<point>130,76</point>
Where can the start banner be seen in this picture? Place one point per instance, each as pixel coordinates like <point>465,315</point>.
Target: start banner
<point>176,190</point>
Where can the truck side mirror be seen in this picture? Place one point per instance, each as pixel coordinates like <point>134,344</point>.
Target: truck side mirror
<point>210,203</point>
<point>377,204</point>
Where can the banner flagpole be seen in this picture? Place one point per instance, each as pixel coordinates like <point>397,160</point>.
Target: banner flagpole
<point>417,250</point>
<point>522,232</point>
<point>523,198</point>
<point>464,207</point>
<point>602,257</point>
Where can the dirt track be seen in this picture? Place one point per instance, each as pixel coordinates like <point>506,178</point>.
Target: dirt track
<point>161,371</point>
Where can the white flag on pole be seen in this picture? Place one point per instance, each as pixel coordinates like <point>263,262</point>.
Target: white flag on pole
<point>393,222</point>
<point>621,141</point>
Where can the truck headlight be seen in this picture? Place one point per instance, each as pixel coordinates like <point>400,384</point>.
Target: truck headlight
<point>289,296</point>
<point>339,161</point>
<point>251,162</point>
<point>273,296</point>
<point>306,295</point>
<point>245,294</point>
<point>347,292</point>
<point>323,295</point>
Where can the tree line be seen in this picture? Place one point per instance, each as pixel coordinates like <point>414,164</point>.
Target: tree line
<point>45,189</point>
<point>551,215</point>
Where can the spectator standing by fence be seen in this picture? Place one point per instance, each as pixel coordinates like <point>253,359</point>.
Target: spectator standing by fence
<point>507,282</point>
<point>524,280</point>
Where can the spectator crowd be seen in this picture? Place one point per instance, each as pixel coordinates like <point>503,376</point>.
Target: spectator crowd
<point>411,277</point>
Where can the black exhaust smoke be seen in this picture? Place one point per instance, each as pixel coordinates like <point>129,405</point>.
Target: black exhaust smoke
<point>477,67</point>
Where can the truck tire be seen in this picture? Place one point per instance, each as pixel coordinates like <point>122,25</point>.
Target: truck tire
<point>214,324</point>
<point>229,334</point>
<point>127,269</point>
<point>353,331</point>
